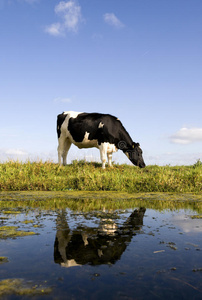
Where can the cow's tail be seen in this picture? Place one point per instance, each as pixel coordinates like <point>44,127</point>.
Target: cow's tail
<point>60,120</point>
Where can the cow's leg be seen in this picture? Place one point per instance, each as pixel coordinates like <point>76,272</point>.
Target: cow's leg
<point>109,155</point>
<point>67,145</point>
<point>103,153</point>
<point>60,150</point>
<point>63,148</point>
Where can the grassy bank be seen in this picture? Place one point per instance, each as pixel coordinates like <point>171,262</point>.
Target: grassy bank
<point>39,176</point>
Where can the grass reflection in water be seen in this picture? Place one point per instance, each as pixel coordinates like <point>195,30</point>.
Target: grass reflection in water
<point>144,246</point>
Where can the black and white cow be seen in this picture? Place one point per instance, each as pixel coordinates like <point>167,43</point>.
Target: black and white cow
<point>103,131</point>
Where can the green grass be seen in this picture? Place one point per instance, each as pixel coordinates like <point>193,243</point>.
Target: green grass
<point>83,176</point>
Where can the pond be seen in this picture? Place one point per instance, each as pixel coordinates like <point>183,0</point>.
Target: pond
<point>59,246</point>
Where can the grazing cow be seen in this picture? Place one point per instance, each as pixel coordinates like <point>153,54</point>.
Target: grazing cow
<point>103,131</point>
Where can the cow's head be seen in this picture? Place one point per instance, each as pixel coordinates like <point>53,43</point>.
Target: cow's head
<point>134,153</point>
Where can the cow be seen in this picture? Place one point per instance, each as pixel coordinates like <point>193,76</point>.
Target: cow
<point>103,131</point>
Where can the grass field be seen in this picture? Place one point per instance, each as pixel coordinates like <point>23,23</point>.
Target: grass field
<point>80,175</point>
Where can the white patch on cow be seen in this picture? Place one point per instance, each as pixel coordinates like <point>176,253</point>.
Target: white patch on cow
<point>86,143</point>
<point>100,125</point>
<point>111,148</point>
<point>72,114</point>
<point>106,150</point>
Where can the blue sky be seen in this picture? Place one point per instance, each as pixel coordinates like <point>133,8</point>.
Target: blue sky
<point>140,60</point>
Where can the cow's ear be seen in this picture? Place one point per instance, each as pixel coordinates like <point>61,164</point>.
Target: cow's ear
<point>135,145</point>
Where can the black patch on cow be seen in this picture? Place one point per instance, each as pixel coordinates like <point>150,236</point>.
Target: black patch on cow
<point>112,131</point>
<point>60,120</point>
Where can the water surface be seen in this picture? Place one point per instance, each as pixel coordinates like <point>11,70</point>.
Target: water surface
<point>133,252</point>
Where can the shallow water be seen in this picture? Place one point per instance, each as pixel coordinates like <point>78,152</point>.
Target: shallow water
<point>136,252</point>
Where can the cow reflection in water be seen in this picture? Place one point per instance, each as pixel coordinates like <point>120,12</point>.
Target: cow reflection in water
<point>95,246</point>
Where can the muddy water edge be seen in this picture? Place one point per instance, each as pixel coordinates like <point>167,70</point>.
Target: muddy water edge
<point>93,245</point>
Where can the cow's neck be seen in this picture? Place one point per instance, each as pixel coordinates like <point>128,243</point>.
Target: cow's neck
<point>125,138</point>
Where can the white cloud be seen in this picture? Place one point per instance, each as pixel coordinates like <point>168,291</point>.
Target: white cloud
<point>173,159</point>
<point>54,29</point>
<point>23,155</point>
<point>12,154</point>
<point>62,100</point>
<point>15,152</point>
<point>187,136</point>
<point>112,20</point>
<point>70,13</point>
